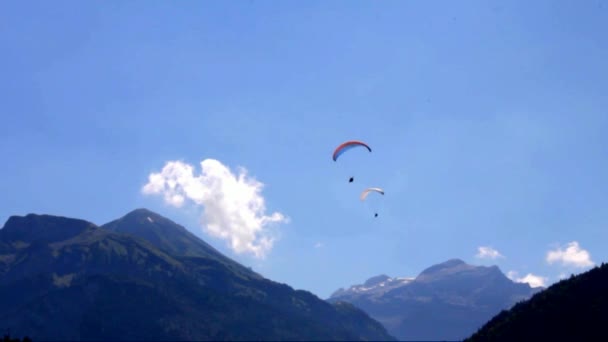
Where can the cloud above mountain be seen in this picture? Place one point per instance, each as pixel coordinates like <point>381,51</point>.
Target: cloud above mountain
<point>233,206</point>
<point>531,279</point>
<point>485,252</point>
<point>573,255</point>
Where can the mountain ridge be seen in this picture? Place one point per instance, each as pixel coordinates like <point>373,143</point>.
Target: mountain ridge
<point>169,236</point>
<point>68,279</point>
<point>154,228</point>
<point>453,294</point>
<point>41,227</point>
<point>574,309</point>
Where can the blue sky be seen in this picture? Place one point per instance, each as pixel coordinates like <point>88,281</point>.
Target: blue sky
<point>487,122</point>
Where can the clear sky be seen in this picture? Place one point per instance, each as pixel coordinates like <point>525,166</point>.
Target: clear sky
<point>487,121</point>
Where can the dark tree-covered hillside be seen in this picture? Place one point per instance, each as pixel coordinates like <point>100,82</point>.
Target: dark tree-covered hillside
<point>574,309</point>
<point>8,338</point>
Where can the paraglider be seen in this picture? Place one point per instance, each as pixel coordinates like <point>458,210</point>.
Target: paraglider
<point>347,146</point>
<point>368,190</point>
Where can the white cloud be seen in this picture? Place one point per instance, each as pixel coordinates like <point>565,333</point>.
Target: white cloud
<point>488,253</point>
<point>318,245</point>
<point>573,255</point>
<point>531,279</point>
<point>233,207</point>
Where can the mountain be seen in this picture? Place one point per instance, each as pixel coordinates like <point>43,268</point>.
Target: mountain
<point>162,233</point>
<point>447,301</point>
<point>68,279</point>
<point>574,309</point>
<point>170,237</point>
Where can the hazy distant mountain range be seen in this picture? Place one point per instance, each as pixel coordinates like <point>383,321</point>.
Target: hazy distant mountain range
<point>448,301</point>
<point>144,277</point>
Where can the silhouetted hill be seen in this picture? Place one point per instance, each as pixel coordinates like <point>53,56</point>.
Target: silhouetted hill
<point>574,309</point>
<point>67,279</point>
<point>8,338</point>
<point>447,301</point>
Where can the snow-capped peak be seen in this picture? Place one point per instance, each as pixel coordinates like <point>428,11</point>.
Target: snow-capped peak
<point>378,284</point>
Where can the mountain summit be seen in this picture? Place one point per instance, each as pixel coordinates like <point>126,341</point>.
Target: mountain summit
<point>32,227</point>
<point>172,238</point>
<point>163,233</point>
<point>450,266</point>
<point>143,277</point>
<point>447,301</point>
